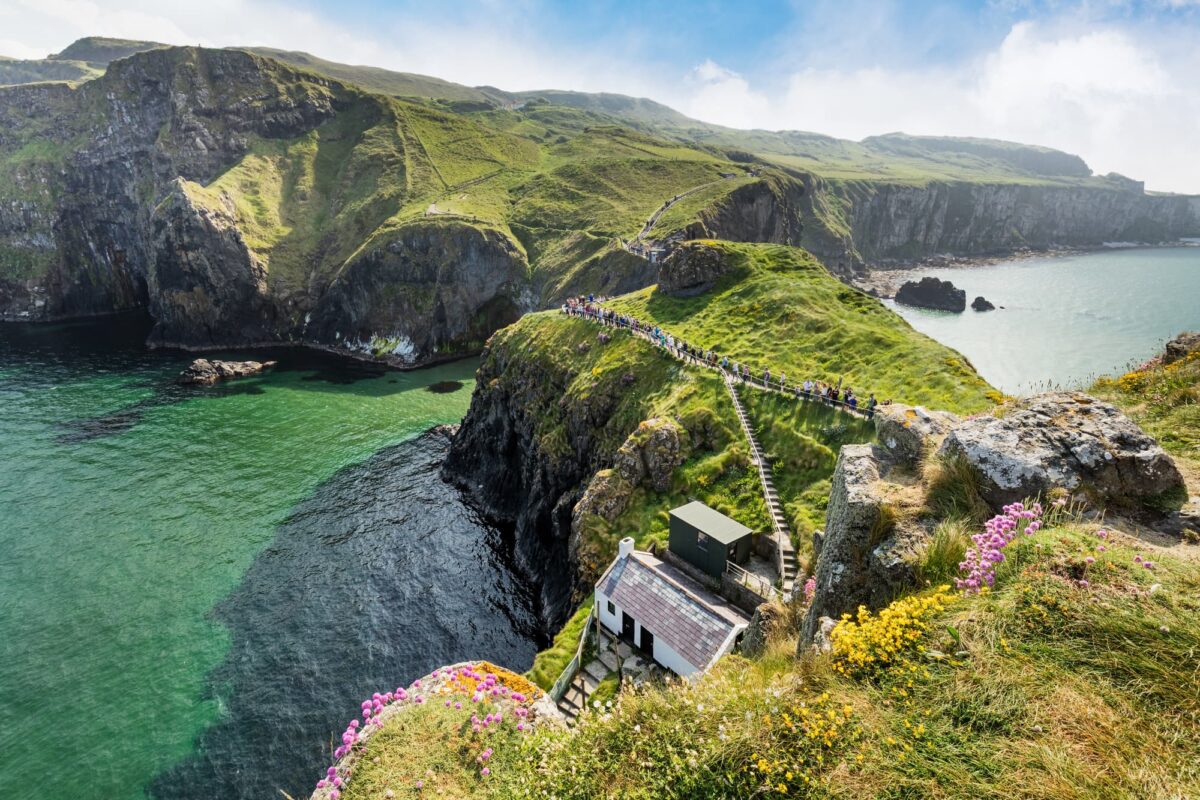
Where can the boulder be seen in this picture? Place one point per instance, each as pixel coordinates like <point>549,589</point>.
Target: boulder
<point>692,268</point>
<point>204,372</point>
<point>1182,345</point>
<point>765,622</point>
<point>607,496</point>
<point>982,304</point>
<point>908,432</point>
<point>1065,440</point>
<point>651,453</point>
<point>933,293</point>
<point>865,557</point>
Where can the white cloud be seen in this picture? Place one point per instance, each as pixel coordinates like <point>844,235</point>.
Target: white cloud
<point>724,97</point>
<point>1125,104</point>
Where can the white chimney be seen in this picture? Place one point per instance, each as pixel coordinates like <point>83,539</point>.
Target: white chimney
<point>625,547</point>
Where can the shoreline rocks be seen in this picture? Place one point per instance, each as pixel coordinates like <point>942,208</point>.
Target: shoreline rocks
<point>982,304</point>
<point>206,372</point>
<point>934,293</point>
<point>1181,346</point>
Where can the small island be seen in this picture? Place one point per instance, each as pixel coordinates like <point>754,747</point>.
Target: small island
<point>932,293</point>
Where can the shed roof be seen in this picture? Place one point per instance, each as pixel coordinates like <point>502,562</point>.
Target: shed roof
<point>711,521</point>
<point>682,617</point>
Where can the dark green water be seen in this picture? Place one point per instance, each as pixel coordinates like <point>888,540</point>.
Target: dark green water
<point>198,585</point>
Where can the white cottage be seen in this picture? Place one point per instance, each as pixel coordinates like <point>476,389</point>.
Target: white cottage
<point>666,614</point>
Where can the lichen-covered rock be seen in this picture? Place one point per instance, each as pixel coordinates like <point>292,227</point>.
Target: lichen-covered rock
<point>692,268</point>
<point>1182,345</point>
<point>651,453</point>
<point>865,556</point>
<point>909,432</point>
<point>933,293</point>
<point>606,496</point>
<point>764,623</point>
<point>1064,440</point>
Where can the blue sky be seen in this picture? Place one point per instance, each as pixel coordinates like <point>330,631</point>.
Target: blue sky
<point>1112,80</point>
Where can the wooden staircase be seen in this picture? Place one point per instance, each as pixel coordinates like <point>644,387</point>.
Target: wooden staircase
<point>786,554</point>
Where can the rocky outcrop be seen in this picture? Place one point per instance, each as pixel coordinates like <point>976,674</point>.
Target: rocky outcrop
<point>982,304</point>
<point>429,292</point>
<point>865,556</point>
<point>692,268</point>
<point>1064,440</point>
<point>203,372</point>
<point>933,293</point>
<point>767,210</point>
<point>1181,346</point>
<point>908,433</point>
<point>652,452</point>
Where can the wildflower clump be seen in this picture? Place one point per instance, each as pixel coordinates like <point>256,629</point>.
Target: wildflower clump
<point>801,740</point>
<point>980,561</point>
<point>473,707</point>
<point>865,644</point>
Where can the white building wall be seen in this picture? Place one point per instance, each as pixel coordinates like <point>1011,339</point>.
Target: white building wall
<point>663,653</point>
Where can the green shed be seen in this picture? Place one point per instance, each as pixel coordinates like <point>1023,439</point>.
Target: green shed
<point>706,538</point>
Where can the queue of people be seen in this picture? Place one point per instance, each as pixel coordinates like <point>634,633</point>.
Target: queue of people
<point>589,307</point>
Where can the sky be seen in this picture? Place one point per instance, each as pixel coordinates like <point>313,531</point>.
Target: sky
<point>1114,81</point>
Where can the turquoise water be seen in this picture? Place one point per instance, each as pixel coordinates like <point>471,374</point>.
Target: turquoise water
<point>1067,320</point>
<point>165,552</point>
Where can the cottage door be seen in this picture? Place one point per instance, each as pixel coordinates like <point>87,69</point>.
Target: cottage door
<point>626,627</point>
<point>647,643</point>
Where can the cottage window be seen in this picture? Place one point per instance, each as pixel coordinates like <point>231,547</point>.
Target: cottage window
<point>611,608</point>
<point>701,541</point>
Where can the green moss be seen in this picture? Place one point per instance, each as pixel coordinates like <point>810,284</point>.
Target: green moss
<point>549,663</point>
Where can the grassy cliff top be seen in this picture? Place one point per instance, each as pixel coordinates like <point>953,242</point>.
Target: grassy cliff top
<point>895,158</point>
<point>779,308</point>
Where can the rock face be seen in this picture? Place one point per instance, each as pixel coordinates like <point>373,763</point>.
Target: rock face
<point>431,291</point>
<point>982,304</point>
<point>1064,440</point>
<point>864,557</point>
<point>768,210</point>
<point>1181,346</point>
<point>910,432</point>
<point>692,268</point>
<point>122,213</point>
<point>850,222</point>
<point>204,372</point>
<point>933,293</point>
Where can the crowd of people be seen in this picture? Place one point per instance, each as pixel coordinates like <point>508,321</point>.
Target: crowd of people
<point>590,307</point>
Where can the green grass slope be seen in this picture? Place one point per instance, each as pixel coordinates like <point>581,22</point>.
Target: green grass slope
<point>781,309</point>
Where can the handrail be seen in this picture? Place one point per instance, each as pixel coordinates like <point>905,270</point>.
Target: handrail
<point>757,383</point>
<point>565,677</point>
<point>755,583</point>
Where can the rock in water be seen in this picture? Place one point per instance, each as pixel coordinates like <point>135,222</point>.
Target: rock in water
<point>982,304</point>
<point>204,372</point>
<point>1065,440</point>
<point>1179,347</point>
<point>933,293</point>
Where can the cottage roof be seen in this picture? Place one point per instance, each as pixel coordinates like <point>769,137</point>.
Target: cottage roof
<point>712,522</point>
<point>690,621</point>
